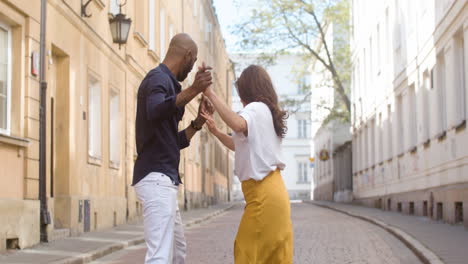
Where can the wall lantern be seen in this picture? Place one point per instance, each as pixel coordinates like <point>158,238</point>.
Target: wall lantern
<point>324,155</point>
<point>120,26</point>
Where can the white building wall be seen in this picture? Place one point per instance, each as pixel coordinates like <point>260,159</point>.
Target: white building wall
<point>296,145</point>
<point>409,95</point>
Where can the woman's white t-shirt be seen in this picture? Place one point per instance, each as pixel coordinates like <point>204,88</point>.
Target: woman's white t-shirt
<point>259,153</point>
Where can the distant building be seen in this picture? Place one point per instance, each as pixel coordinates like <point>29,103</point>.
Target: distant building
<point>333,173</point>
<point>409,101</point>
<point>296,144</point>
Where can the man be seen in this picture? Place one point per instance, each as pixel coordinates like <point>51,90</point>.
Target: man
<point>156,176</point>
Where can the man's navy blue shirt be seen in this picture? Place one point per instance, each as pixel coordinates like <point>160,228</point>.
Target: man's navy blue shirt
<point>158,140</point>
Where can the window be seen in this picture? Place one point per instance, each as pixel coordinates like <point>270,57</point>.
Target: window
<point>201,18</point>
<point>114,128</point>
<point>207,30</point>
<point>379,49</point>
<point>304,83</point>
<point>114,7</point>
<point>372,143</point>
<point>94,123</point>
<point>460,104</point>
<point>380,132</point>
<point>400,131</point>
<point>365,146</point>
<point>302,128</point>
<point>171,31</point>
<point>162,32</point>
<point>413,116</point>
<point>5,79</point>
<point>423,121</point>
<point>302,172</point>
<point>195,8</point>
<point>389,132</point>
<point>441,94</point>
<point>151,24</point>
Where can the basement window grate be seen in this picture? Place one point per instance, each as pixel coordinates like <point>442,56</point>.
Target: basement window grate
<point>411,208</point>
<point>12,243</point>
<point>458,212</point>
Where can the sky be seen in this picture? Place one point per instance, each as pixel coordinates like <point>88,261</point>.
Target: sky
<point>231,12</point>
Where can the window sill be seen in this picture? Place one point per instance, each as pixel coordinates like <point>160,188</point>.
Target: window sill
<point>138,36</point>
<point>427,143</point>
<point>114,165</point>
<point>461,126</point>
<point>14,141</point>
<point>94,160</point>
<point>153,55</point>
<point>441,136</point>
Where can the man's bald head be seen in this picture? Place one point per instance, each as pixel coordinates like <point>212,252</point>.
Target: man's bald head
<point>182,43</point>
<point>181,55</point>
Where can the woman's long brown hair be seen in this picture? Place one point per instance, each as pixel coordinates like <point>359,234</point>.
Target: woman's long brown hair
<point>254,85</point>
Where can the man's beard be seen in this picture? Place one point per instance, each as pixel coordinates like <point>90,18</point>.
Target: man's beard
<point>183,75</point>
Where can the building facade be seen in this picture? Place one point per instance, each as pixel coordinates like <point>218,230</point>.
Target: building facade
<point>409,101</point>
<point>332,171</point>
<point>285,74</point>
<point>331,179</point>
<point>91,108</point>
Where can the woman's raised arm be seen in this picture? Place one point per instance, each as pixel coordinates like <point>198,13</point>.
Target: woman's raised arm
<point>232,119</point>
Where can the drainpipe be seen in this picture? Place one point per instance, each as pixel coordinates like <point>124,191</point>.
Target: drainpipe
<point>44,213</point>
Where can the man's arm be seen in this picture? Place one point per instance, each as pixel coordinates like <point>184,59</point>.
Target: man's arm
<point>201,82</point>
<point>160,106</point>
<point>187,134</point>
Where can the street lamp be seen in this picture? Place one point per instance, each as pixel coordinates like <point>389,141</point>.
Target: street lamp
<point>120,27</point>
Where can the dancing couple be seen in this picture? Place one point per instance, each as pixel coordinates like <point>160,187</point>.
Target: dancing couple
<point>265,232</point>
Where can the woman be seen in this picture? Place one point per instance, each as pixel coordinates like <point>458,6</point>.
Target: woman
<point>265,232</point>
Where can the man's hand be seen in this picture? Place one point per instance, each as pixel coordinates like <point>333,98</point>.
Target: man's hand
<point>202,78</point>
<point>204,107</point>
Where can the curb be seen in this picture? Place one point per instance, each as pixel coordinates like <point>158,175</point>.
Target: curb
<point>421,251</point>
<point>106,250</point>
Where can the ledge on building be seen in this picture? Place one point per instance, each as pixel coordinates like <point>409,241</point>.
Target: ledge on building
<point>153,55</point>
<point>427,143</point>
<point>461,126</point>
<point>413,149</point>
<point>114,165</point>
<point>15,141</point>
<point>442,135</point>
<point>138,36</point>
<point>94,160</point>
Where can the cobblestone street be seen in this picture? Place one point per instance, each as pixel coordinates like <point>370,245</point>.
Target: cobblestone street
<point>321,236</point>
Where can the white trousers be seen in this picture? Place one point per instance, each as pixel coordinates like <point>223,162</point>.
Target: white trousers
<point>164,232</point>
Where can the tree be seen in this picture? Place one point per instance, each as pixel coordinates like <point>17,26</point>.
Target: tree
<point>300,26</point>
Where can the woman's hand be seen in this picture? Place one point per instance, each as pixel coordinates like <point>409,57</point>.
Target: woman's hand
<point>209,92</point>
<point>210,123</point>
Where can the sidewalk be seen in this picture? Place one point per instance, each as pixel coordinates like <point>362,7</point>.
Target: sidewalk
<point>433,241</point>
<point>93,245</point>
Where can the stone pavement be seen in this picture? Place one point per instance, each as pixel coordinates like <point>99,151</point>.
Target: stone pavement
<point>321,236</point>
<point>93,245</point>
<point>448,242</point>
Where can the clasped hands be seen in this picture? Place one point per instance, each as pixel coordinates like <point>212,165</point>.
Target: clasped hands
<point>202,83</point>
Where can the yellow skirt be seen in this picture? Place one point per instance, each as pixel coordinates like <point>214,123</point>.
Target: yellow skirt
<point>265,233</point>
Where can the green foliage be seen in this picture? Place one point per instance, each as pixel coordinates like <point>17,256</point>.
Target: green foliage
<point>299,26</point>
